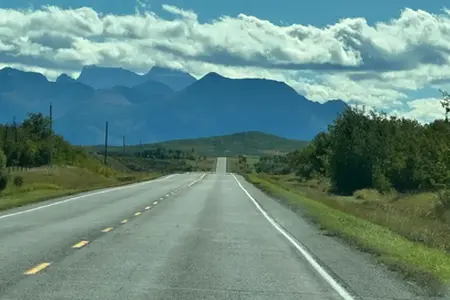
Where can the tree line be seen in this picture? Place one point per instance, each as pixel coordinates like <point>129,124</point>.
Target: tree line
<point>158,153</point>
<point>368,149</point>
<point>32,144</point>
<point>29,144</point>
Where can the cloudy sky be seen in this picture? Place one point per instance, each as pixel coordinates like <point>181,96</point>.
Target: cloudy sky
<point>390,55</point>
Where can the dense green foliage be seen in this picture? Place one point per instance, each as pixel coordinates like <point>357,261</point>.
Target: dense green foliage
<point>156,159</point>
<point>246,143</point>
<point>276,164</point>
<point>371,150</point>
<point>2,160</point>
<point>28,144</point>
<point>157,153</point>
<point>3,175</point>
<point>18,180</point>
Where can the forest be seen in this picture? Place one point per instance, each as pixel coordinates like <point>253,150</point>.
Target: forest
<point>370,150</point>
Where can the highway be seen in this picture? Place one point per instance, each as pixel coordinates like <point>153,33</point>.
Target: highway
<point>185,236</point>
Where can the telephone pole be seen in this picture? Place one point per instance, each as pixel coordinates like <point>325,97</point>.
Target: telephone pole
<point>140,148</point>
<point>106,142</point>
<point>51,136</point>
<point>16,138</point>
<point>123,143</point>
<point>6,134</point>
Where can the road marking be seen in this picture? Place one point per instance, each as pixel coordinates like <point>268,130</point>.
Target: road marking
<point>37,268</point>
<point>80,244</point>
<point>334,284</point>
<point>124,221</point>
<point>138,213</point>
<point>156,202</point>
<point>148,207</point>
<point>167,195</point>
<point>195,181</point>
<point>84,196</point>
<point>107,229</point>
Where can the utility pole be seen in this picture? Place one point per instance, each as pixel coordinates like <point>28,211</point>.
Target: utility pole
<point>123,144</point>
<point>51,136</point>
<point>106,142</point>
<point>140,147</point>
<point>16,138</point>
<point>6,135</point>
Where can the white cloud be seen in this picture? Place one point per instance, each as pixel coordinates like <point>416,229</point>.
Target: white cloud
<point>351,60</point>
<point>425,110</point>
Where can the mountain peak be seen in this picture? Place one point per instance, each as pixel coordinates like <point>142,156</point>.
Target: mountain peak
<point>24,76</point>
<point>215,75</point>
<point>65,78</point>
<point>108,77</point>
<point>175,79</point>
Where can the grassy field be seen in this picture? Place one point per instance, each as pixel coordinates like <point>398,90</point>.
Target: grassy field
<point>233,165</point>
<point>246,143</point>
<point>402,231</point>
<point>206,165</point>
<point>45,183</point>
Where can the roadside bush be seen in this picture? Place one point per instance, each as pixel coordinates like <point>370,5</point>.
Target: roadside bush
<point>444,203</point>
<point>2,160</point>
<point>3,180</point>
<point>18,181</point>
<point>126,178</point>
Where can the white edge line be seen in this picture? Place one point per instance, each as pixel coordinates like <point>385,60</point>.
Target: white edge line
<point>197,180</point>
<point>334,284</point>
<point>84,196</point>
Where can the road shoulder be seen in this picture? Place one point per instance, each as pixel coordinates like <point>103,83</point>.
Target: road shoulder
<point>357,271</point>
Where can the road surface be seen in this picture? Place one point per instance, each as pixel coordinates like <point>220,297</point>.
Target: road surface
<point>185,236</point>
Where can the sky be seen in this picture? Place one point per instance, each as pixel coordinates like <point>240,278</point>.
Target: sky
<point>390,55</point>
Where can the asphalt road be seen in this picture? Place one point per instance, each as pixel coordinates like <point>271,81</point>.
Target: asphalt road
<point>187,236</point>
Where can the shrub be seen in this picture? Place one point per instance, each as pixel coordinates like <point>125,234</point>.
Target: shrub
<point>2,160</point>
<point>3,180</point>
<point>126,178</point>
<point>444,203</point>
<point>18,181</point>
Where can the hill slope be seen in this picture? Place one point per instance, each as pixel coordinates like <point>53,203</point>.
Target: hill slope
<point>245,143</point>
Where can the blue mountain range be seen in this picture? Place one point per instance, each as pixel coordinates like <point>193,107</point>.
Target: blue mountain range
<point>161,105</point>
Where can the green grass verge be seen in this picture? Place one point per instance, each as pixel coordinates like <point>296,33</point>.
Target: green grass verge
<point>429,267</point>
<point>40,185</point>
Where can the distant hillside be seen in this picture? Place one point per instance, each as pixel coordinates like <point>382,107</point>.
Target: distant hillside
<point>246,143</point>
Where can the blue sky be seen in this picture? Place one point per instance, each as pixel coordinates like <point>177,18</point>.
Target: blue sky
<point>391,55</point>
<point>317,12</point>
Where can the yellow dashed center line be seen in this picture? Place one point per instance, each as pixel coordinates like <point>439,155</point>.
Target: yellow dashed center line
<point>107,229</point>
<point>80,244</point>
<point>37,268</point>
<point>124,221</point>
<point>148,207</point>
<point>138,213</point>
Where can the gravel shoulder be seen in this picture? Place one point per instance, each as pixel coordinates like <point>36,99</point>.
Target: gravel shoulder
<point>357,271</point>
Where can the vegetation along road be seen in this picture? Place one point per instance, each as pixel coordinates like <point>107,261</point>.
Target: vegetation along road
<point>194,235</point>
